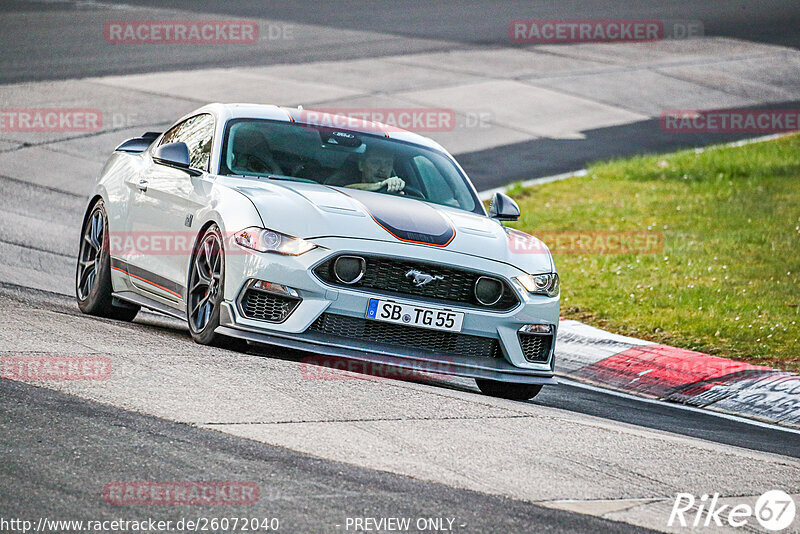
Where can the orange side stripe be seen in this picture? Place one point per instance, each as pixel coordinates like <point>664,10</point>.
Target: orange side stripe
<point>149,282</point>
<point>291,119</point>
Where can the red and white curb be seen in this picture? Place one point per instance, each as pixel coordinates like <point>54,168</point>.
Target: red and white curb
<point>655,371</point>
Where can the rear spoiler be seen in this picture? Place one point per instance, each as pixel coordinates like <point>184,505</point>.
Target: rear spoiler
<point>138,144</point>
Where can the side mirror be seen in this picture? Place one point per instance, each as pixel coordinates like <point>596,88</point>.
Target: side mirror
<point>503,208</point>
<point>175,155</point>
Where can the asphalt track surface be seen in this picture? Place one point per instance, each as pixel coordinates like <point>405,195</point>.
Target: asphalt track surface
<point>80,51</point>
<point>58,449</point>
<point>59,452</point>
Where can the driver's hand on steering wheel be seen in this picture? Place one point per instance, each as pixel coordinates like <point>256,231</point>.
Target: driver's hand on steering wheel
<point>393,184</point>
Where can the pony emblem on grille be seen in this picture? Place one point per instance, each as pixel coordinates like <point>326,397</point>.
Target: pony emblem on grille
<point>419,279</point>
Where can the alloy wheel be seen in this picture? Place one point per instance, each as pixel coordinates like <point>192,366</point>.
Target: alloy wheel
<point>205,282</point>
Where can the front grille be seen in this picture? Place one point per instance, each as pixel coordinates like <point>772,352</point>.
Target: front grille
<point>406,337</point>
<point>536,348</point>
<point>267,306</point>
<point>388,275</point>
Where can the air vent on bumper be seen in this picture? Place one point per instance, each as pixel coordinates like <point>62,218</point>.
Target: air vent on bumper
<point>536,341</point>
<point>269,302</point>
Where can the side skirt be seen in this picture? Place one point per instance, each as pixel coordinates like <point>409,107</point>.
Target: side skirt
<point>145,302</point>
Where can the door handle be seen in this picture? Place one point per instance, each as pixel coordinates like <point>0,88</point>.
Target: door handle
<point>142,185</point>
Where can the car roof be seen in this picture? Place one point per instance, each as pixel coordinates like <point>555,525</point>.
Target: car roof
<point>226,112</point>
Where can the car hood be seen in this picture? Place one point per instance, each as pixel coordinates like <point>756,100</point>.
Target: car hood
<point>313,211</point>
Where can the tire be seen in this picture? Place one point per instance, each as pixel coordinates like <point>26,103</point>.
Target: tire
<point>93,271</point>
<point>205,292</point>
<point>508,390</point>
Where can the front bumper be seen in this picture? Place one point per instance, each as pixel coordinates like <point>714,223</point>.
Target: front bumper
<point>300,331</point>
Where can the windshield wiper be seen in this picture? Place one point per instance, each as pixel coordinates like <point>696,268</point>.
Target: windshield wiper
<point>268,176</point>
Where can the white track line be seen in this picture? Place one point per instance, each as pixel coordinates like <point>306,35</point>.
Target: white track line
<point>487,195</point>
<point>739,419</point>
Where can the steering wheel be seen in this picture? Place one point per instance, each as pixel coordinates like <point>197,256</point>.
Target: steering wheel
<point>255,164</point>
<point>302,165</point>
<point>405,191</point>
<point>411,191</point>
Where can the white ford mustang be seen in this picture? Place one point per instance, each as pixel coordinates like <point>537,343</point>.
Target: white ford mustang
<point>346,238</point>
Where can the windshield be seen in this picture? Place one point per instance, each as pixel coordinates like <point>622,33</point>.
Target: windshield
<point>342,158</point>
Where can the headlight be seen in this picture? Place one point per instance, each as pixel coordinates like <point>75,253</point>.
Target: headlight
<point>264,240</point>
<point>541,284</point>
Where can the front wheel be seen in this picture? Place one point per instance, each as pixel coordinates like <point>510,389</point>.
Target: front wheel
<point>508,390</point>
<point>205,293</point>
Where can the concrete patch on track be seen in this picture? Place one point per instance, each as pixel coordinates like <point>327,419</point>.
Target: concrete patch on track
<point>662,53</point>
<point>73,174</point>
<point>229,85</point>
<point>502,63</point>
<point>623,90</point>
<point>536,111</point>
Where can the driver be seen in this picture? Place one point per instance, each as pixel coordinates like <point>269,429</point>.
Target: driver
<point>376,168</point>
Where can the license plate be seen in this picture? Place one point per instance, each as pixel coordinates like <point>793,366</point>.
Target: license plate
<point>434,318</point>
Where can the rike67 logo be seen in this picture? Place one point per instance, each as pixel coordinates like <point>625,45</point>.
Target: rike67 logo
<point>774,511</point>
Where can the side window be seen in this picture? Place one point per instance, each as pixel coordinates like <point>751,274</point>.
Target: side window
<point>197,132</point>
